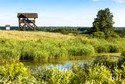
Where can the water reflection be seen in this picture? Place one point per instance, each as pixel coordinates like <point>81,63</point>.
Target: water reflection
<point>58,63</point>
<point>67,63</point>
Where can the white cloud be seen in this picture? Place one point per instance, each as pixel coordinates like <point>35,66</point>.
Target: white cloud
<point>119,17</point>
<point>119,1</point>
<point>97,0</point>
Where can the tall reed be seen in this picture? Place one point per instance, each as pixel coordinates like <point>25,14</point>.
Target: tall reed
<point>16,45</point>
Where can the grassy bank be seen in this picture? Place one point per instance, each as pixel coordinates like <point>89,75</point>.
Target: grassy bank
<point>22,45</point>
<point>102,71</point>
<point>94,74</point>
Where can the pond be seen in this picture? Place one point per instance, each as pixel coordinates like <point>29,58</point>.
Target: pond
<point>67,63</point>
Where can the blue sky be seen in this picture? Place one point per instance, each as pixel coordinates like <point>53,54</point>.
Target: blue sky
<point>61,12</point>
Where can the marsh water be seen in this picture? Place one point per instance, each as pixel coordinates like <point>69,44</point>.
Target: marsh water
<point>67,63</point>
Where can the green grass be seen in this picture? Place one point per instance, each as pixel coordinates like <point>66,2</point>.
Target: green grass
<point>22,45</point>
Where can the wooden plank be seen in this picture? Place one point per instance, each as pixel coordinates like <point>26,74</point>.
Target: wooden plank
<point>30,21</point>
<point>19,23</point>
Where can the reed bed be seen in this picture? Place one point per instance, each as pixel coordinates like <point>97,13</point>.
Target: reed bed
<point>24,45</point>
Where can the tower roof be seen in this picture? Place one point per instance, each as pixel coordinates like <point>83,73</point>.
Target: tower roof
<point>27,15</point>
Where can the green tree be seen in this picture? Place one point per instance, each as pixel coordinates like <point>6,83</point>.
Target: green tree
<point>104,22</point>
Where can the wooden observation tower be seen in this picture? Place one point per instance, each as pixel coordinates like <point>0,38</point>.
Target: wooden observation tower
<point>27,20</point>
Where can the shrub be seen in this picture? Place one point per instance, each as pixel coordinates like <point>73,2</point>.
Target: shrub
<point>99,34</point>
<point>99,75</point>
<point>114,48</point>
<point>103,48</point>
<point>15,73</point>
<point>123,53</point>
<point>122,59</point>
<point>108,48</point>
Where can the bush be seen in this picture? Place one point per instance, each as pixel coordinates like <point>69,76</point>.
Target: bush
<point>123,53</point>
<point>111,35</point>
<point>103,48</point>
<point>122,59</point>
<point>99,75</point>
<point>99,34</point>
<point>120,32</point>
<point>15,73</point>
<point>55,76</point>
<point>114,48</point>
<point>108,48</point>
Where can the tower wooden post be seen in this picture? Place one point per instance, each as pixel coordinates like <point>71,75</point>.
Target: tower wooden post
<point>27,20</point>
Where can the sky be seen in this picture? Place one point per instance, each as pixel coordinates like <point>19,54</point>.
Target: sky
<point>61,12</point>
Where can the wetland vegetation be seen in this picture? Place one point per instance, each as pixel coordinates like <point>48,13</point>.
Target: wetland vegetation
<point>39,46</point>
<point>17,46</point>
<point>35,46</point>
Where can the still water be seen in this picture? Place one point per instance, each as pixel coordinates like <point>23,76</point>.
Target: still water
<point>67,63</point>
